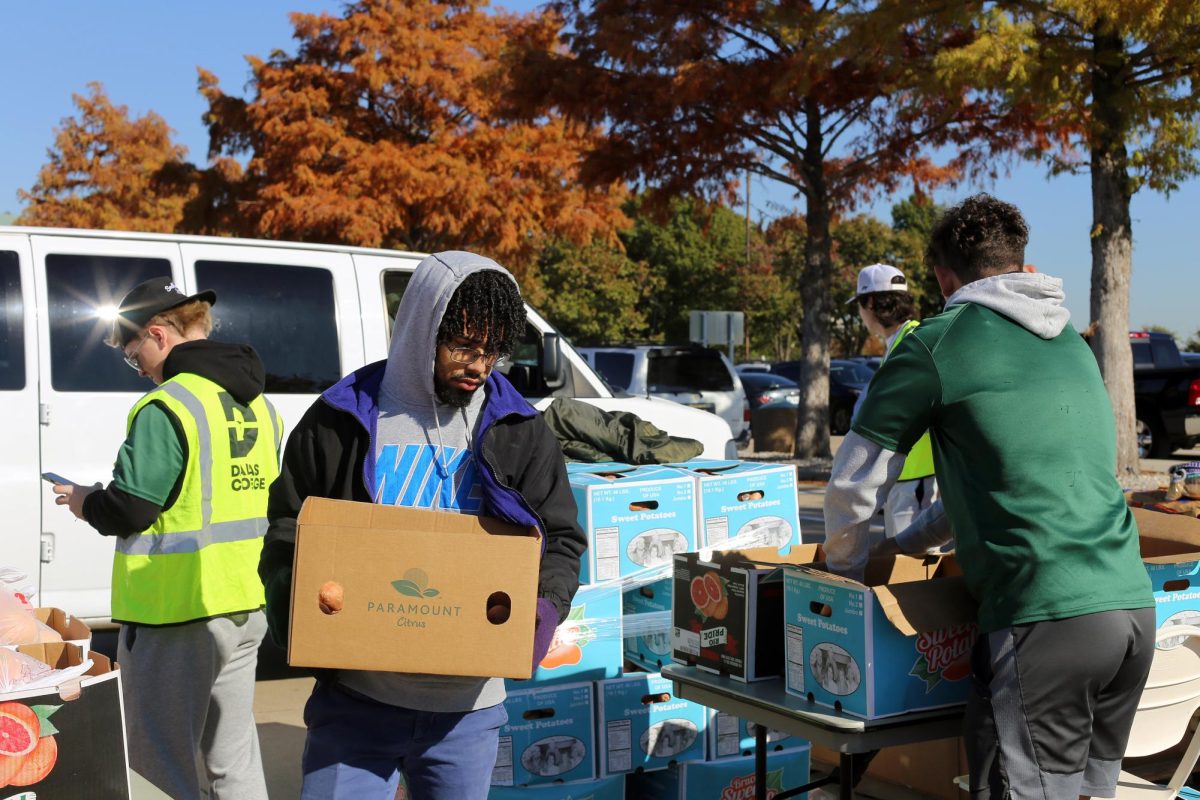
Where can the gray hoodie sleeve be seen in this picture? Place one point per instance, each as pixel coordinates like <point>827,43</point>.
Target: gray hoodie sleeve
<point>863,472</point>
<point>931,529</point>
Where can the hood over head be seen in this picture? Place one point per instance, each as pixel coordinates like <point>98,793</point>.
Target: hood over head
<point>235,367</point>
<point>1030,299</point>
<point>408,376</point>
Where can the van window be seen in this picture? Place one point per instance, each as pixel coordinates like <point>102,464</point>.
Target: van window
<point>687,370</point>
<point>617,368</point>
<point>12,324</point>
<point>394,283</point>
<point>286,313</point>
<point>81,292</point>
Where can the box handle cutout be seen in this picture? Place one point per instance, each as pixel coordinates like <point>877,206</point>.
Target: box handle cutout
<point>651,699</point>
<point>538,713</point>
<point>499,608</point>
<point>756,494</point>
<point>820,609</point>
<point>647,591</point>
<point>643,505</point>
<point>1177,585</point>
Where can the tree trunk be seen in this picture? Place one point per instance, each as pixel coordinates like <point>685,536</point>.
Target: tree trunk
<point>1112,241</point>
<point>812,424</point>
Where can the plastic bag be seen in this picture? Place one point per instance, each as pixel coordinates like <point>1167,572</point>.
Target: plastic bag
<point>20,584</point>
<point>18,671</point>
<point>19,626</point>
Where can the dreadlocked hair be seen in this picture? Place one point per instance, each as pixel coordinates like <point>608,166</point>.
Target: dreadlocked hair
<point>486,305</point>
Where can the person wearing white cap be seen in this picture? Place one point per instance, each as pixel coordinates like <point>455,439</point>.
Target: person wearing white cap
<point>886,308</point>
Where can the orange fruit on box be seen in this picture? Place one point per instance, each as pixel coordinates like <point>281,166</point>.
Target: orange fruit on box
<point>37,765</point>
<point>19,728</point>
<point>562,656</point>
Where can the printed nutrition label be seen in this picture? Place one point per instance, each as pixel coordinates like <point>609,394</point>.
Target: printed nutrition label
<point>608,553</point>
<point>716,529</point>
<point>729,743</point>
<point>620,753</point>
<point>502,773</point>
<point>795,657</point>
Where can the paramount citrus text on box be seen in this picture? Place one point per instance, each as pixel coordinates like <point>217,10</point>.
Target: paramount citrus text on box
<point>411,590</point>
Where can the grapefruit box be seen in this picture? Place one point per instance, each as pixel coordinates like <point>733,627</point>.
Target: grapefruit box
<point>611,788</point>
<point>646,613</point>
<point>69,740</point>
<point>550,736</point>
<point>727,610</point>
<point>635,518</point>
<point>898,642</point>
<point>587,645</point>
<point>731,737</point>
<point>744,504</point>
<point>645,727</point>
<point>730,779</point>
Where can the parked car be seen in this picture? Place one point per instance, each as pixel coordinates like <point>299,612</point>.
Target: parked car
<point>1166,389</point>
<point>701,377</point>
<point>313,312</point>
<point>768,390</point>
<point>753,366</point>
<point>847,380</point>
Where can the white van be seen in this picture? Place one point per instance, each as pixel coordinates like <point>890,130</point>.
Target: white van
<point>313,312</point>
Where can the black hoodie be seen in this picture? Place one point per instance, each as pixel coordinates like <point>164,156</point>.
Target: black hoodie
<point>237,369</point>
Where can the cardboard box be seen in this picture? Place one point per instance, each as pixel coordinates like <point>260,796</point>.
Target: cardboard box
<point>646,611</point>
<point>728,610</point>
<point>731,737</point>
<point>550,736</point>
<point>635,518</point>
<point>899,642</point>
<point>72,629</point>
<point>730,779</point>
<point>1171,552</point>
<point>612,788</point>
<point>644,727</point>
<point>80,749</point>
<point>587,646</point>
<point>744,504</point>
<point>417,586</point>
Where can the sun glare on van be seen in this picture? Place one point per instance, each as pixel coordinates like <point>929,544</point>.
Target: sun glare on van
<point>106,313</point>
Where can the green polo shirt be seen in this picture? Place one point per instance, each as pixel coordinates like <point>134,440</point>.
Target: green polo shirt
<point>1024,441</point>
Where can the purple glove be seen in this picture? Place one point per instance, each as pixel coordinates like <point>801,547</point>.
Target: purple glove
<point>543,630</point>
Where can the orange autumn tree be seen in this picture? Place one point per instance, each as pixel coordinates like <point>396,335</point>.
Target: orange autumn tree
<point>108,170</point>
<point>384,130</point>
<point>821,98</point>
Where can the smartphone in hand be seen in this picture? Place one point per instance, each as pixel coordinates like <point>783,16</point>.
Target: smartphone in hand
<point>54,477</point>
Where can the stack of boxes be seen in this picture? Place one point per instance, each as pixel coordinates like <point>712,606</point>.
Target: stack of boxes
<point>597,720</point>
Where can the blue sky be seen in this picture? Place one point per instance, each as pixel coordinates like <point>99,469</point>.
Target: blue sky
<point>146,53</point>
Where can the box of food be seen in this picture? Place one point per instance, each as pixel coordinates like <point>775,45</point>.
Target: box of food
<point>550,736</point>
<point>408,590</point>
<point>745,504</point>
<point>1170,546</point>
<point>611,788</point>
<point>643,726</point>
<point>730,737</point>
<point>728,779</point>
<point>899,641</point>
<point>646,616</point>
<point>587,646</point>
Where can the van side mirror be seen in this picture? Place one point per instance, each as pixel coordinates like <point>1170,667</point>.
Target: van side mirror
<point>553,368</point>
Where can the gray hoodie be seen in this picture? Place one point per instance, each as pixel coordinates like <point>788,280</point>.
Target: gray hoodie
<point>424,460</point>
<point>863,471</point>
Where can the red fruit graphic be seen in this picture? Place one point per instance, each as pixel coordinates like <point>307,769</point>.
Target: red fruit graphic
<point>19,728</point>
<point>37,765</point>
<point>714,588</point>
<point>699,592</point>
<point>958,670</point>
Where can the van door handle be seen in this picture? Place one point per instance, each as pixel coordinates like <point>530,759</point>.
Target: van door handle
<point>44,413</point>
<point>47,547</point>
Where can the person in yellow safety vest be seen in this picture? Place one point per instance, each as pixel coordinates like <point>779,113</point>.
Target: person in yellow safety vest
<point>886,308</point>
<point>187,507</point>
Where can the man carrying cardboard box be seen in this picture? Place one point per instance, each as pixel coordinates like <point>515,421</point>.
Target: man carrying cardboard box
<point>188,537</point>
<point>1024,442</point>
<point>431,427</point>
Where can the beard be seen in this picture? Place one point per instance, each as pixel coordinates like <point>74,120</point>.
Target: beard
<point>452,395</point>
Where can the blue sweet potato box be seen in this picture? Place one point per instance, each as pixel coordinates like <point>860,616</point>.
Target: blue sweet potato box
<point>745,504</point>
<point>732,737</point>
<point>587,646</point>
<point>612,788</point>
<point>1171,554</point>
<point>729,779</point>
<point>899,642</point>
<point>550,736</point>
<point>646,616</point>
<point>644,726</point>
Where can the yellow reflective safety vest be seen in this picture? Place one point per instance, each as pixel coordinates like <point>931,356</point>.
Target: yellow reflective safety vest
<point>919,462</point>
<point>200,557</point>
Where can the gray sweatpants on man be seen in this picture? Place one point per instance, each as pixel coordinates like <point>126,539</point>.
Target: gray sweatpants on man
<point>189,706</point>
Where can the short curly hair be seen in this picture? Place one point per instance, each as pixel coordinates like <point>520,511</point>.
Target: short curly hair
<point>890,308</point>
<point>486,305</point>
<point>980,236</point>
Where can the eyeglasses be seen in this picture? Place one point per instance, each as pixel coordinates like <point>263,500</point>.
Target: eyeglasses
<point>132,358</point>
<point>469,355</point>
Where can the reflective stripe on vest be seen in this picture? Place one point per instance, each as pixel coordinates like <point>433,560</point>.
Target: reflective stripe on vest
<point>200,557</point>
<point>919,461</point>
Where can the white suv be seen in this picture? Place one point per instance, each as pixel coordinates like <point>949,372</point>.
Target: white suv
<point>701,377</point>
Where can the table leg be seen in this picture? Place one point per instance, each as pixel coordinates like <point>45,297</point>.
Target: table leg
<point>760,762</point>
<point>846,770</point>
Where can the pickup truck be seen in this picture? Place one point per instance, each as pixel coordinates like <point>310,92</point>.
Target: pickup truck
<point>1166,390</point>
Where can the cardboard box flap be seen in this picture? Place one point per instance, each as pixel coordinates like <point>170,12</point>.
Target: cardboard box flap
<point>70,628</point>
<point>796,555</point>
<point>322,511</point>
<point>1167,538</point>
<point>884,570</point>
<point>59,655</point>
<point>924,606</point>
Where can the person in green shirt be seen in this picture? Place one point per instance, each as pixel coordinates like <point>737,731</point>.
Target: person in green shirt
<point>1023,436</point>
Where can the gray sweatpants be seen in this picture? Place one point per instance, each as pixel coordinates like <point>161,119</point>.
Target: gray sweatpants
<point>189,706</point>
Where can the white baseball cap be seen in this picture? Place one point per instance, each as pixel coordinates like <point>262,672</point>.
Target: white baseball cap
<point>879,278</point>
